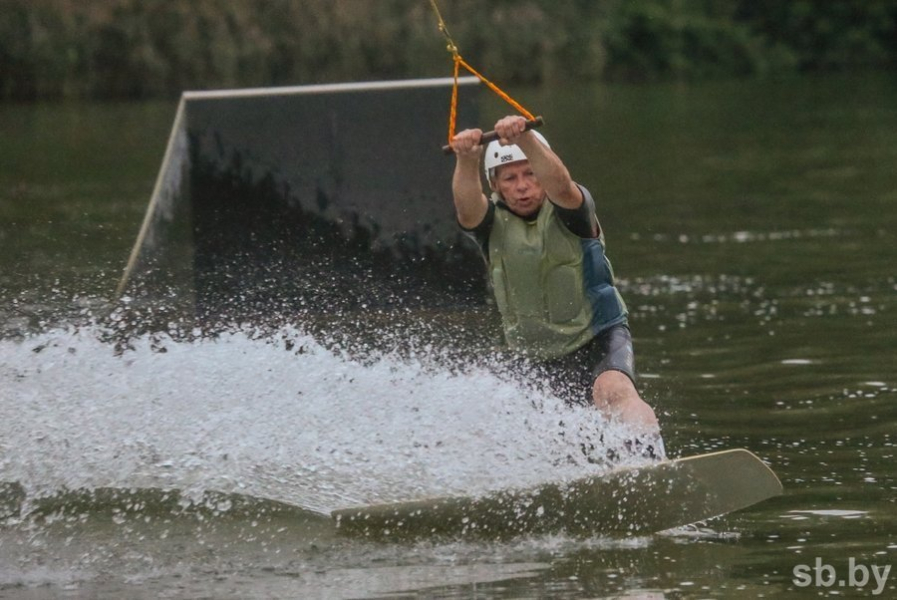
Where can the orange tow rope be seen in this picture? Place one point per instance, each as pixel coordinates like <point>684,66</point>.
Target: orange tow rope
<point>460,62</point>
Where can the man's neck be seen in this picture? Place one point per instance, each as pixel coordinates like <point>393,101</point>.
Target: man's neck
<point>529,218</point>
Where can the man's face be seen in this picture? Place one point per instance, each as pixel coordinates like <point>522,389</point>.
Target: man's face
<point>519,187</point>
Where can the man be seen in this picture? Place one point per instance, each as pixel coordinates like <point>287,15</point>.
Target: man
<point>552,283</point>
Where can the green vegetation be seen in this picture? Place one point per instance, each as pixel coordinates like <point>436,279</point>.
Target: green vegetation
<point>152,48</point>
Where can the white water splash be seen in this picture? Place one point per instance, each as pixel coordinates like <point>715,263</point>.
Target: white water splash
<point>311,428</point>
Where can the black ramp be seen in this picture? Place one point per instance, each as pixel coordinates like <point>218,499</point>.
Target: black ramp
<point>288,198</point>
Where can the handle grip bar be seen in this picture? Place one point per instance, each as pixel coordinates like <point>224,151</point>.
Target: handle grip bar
<point>491,135</point>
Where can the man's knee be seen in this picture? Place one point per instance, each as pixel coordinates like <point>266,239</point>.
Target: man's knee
<point>612,389</point>
<point>615,395</point>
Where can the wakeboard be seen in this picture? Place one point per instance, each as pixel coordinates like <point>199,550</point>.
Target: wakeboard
<point>625,502</point>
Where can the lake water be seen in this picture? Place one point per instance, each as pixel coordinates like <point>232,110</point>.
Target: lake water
<point>752,228</point>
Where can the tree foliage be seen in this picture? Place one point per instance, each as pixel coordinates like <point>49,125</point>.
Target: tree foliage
<point>148,48</point>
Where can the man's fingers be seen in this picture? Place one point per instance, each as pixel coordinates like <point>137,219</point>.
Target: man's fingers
<point>509,129</point>
<point>466,141</point>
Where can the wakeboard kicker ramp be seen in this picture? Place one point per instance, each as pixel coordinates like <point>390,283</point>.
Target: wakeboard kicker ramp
<point>275,198</point>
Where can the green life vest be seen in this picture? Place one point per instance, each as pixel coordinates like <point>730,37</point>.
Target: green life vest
<point>555,290</point>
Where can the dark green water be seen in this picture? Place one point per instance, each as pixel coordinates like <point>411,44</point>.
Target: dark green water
<point>752,227</point>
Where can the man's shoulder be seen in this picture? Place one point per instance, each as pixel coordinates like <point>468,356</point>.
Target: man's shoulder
<point>580,221</point>
<point>481,232</point>
<point>486,222</point>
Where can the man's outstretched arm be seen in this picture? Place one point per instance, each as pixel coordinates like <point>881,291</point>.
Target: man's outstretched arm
<point>467,185</point>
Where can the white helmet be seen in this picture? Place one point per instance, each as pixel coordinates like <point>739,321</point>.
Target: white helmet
<point>497,155</point>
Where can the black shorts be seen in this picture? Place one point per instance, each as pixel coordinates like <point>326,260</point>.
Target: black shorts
<point>571,377</point>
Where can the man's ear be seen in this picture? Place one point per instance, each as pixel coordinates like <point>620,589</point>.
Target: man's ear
<point>492,184</point>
